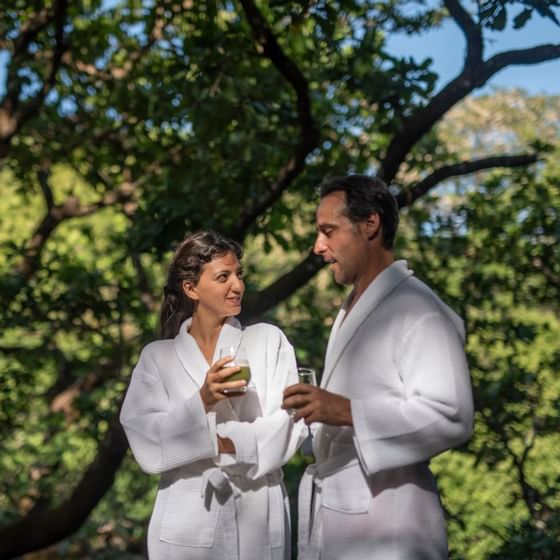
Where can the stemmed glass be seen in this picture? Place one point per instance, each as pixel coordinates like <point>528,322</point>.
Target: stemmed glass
<point>305,375</point>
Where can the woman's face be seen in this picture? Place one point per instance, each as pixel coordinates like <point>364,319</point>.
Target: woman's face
<point>219,290</point>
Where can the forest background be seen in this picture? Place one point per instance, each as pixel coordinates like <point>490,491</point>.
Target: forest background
<point>126,125</point>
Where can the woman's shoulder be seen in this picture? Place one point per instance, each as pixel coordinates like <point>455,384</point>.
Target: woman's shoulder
<point>156,348</point>
<point>267,330</point>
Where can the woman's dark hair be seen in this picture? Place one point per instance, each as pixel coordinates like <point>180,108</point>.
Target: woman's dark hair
<point>189,258</point>
<point>365,196</point>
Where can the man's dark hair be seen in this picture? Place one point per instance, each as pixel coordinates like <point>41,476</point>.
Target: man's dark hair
<point>365,196</point>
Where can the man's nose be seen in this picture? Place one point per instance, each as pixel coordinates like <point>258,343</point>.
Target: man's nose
<point>319,246</point>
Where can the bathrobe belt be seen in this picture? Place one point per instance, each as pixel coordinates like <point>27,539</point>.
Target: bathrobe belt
<point>310,524</point>
<point>226,487</point>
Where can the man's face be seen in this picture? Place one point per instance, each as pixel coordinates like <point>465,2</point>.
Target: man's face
<point>340,242</point>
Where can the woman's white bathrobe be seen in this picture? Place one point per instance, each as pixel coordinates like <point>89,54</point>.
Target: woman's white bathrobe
<point>398,356</point>
<point>211,506</point>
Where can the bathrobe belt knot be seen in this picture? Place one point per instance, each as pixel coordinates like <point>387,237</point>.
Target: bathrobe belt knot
<point>226,488</point>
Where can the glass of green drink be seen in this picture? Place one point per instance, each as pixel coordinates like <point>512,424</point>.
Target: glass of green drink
<point>239,359</point>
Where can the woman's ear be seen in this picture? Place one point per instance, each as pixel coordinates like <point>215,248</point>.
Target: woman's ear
<point>189,290</point>
<point>372,226</point>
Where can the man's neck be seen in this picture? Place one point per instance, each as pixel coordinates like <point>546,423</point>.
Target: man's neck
<point>375,265</point>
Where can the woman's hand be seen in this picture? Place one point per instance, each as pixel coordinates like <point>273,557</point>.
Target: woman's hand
<point>212,391</point>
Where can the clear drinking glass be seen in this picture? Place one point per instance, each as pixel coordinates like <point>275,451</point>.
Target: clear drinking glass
<point>239,359</point>
<point>307,375</point>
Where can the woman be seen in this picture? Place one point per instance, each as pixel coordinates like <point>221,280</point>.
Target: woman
<point>219,450</point>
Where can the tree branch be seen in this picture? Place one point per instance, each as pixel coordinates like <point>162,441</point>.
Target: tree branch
<point>255,305</point>
<point>268,46</point>
<point>56,214</point>
<point>470,29</point>
<point>406,198</point>
<point>146,292</point>
<point>471,77</point>
<point>41,529</point>
<point>12,116</point>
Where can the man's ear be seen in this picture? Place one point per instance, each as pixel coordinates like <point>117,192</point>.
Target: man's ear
<point>189,290</point>
<point>372,226</point>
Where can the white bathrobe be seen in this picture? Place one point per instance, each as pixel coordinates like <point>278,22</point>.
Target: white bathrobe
<point>398,356</point>
<point>214,506</point>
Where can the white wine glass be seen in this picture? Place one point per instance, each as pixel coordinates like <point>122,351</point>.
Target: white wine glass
<point>307,375</point>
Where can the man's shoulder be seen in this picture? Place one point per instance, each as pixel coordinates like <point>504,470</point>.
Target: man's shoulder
<point>417,300</point>
<point>418,291</point>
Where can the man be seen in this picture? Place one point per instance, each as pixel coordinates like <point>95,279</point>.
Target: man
<point>395,392</point>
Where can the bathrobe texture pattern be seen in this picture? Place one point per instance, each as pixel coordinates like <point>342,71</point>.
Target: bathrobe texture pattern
<point>398,356</point>
<point>213,506</point>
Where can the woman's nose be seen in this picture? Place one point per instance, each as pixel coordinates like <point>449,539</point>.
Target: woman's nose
<point>238,284</point>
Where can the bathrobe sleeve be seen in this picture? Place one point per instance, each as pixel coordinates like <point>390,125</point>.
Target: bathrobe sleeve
<point>269,441</point>
<point>162,436</point>
<point>434,411</point>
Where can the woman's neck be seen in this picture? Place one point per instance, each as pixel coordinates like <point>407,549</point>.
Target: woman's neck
<point>206,330</point>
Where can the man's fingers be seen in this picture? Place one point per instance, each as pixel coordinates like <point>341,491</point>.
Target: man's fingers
<point>305,412</point>
<point>297,389</point>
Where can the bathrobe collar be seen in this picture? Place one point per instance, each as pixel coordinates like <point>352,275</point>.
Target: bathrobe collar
<point>346,324</point>
<point>190,355</point>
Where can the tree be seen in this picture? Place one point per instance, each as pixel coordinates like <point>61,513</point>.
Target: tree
<point>492,249</point>
<point>125,125</point>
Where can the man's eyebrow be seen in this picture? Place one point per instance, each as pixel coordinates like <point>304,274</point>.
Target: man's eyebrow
<point>325,225</point>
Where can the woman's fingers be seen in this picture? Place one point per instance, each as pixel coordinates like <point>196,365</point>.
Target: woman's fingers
<point>216,387</point>
<point>219,364</point>
<point>220,384</point>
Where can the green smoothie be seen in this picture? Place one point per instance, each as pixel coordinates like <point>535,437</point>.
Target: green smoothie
<point>244,373</point>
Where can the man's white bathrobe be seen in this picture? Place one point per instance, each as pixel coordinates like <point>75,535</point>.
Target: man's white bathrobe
<point>398,356</point>
<point>214,506</point>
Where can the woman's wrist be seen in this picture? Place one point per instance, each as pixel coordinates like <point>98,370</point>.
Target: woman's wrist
<point>225,445</point>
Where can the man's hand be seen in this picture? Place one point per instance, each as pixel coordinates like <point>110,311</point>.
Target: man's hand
<point>314,404</point>
<point>225,445</point>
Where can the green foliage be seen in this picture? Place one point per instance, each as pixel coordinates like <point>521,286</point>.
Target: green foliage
<point>492,252</point>
<point>165,117</point>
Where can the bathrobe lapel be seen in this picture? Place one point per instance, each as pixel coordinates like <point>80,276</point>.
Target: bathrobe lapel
<point>195,365</point>
<point>190,355</point>
<point>347,323</point>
